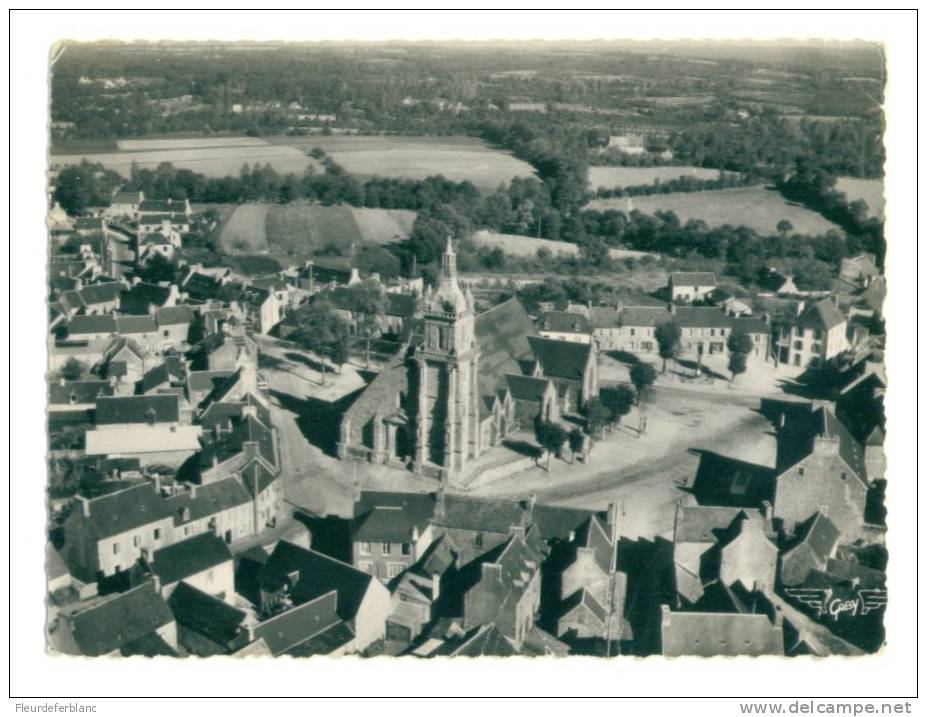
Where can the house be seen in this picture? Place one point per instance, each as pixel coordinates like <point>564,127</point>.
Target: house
<point>151,428</point>
<point>294,576</point>
<point>572,367</point>
<point>105,534</point>
<point>311,628</point>
<point>859,268</point>
<point>125,362</point>
<point>90,299</point>
<point>592,591</point>
<point>820,467</point>
<point>815,547</point>
<point>565,326</point>
<point>76,396</point>
<point>143,298</point>
<point>390,531</point>
<point>165,206</point>
<point>124,205</point>
<point>478,525</point>
<point>136,622</point>
<point>89,226</point>
<point>532,398</point>
<point>207,625</point>
<point>726,544</point>
<point>818,335</point>
<point>158,243</point>
<point>418,589</point>
<point>503,587</point>
<point>705,634</point>
<point>691,285</point>
<point>202,562</point>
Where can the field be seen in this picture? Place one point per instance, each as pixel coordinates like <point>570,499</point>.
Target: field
<point>212,156</point>
<point>456,158</point>
<point>869,190</point>
<point>755,207</point>
<point>519,245</point>
<point>610,177</point>
<point>243,231</point>
<point>298,229</point>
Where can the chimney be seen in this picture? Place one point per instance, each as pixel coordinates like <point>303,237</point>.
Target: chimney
<point>247,410</point>
<point>191,489</point>
<point>800,307</point>
<point>84,504</point>
<point>439,503</point>
<point>156,583</point>
<point>435,586</point>
<point>62,381</point>
<point>665,616</point>
<point>156,479</point>
<point>615,511</point>
<point>767,512</point>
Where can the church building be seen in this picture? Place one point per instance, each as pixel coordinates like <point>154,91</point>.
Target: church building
<point>456,388</point>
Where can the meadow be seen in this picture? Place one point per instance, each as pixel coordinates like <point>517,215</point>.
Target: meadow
<point>212,156</point>
<point>299,229</point>
<point>610,177</point>
<point>756,207</point>
<point>520,245</point>
<point>870,191</point>
<point>456,158</point>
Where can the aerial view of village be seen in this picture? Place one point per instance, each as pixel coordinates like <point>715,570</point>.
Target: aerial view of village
<point>466,349</point>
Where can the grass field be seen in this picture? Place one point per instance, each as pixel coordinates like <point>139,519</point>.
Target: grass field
<point>243,231</point>
<point>869,190</point>
<point>212,156</point>
<point>456,158</point>
<point>299,229</point>
<point>755,207</point>
<point>609,177</point>
<point>519,245</point>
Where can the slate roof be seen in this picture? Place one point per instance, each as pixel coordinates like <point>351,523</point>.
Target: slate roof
<point>391,516</point>
<point>724,481</point>
<point>565,322</point>
<point>189,557</point>
<point>502,334</point>
<point>693,278</point>
<point>206,381</point>
<point>561,359</point>
<point>127,325</point>
<point>150,645</point>
<point>95,324</point>
<point>594,535</point>
<point>174,315</point>
<point>123,510</point>
<point>697,317</point>
<point>212,498</point>
<point>482,641</point>
<point>232,443</point>
<point>318,574</point>
<point>207,615</point>
<point>709,634</point>
<point>482,514</point>
<point>138,299</point>
<point>159,408</point>
<point>298,624</point>
<point>100,293</point>
<point>705,524</point>
<point>823,316</point>
<point>323,643</point>
<point>555,522</point>
<point>127,198</point>
<point>796,440</point>
<point>119,621</point>
<point>644,316</point>
<point>822,537</point>
<point>526,388</point>
<point>584,598</point>
<point>77,391</point>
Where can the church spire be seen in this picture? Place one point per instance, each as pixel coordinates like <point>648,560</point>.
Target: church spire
<point>449,261</point>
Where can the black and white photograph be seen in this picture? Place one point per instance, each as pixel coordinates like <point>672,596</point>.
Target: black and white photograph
<point>510,348</point>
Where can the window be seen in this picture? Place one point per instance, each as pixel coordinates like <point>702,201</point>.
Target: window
<point>115,548</point>
<point>384,549</point>
<point>136,540</point>
<point>157,534</point>
<point>797,346</point>
<point>365,548</point>
<point>393,569</point>
<point>722,331</point>
<point>478,540</point>
<point>166,333</point>
<point>712,332</point>
<point>632,332</point>
<point>843,476</point>
<point>407,548</point>
<point>817,334</point>
<point>801,471</point>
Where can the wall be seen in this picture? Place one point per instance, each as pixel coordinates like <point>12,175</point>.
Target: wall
<point>584,572</point>
<point>798,497</point>
<point>370,621</point>
<point>128,551</point>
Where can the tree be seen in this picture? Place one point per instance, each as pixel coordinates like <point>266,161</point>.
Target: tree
<point>739,343</point>
<point>643,376</point>
<point>784,227</point>
<point>597,416</point>
<point>323,332</point>
<point>369,304</point>
<point>618,400</point>
<point>577,440</point>
<point>551,436</point>
<point>72,369</point>
<point>668,336</point>
<point>158,268</point>
<point>736,364</point>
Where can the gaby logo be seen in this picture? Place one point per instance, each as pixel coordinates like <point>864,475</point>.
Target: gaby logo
<point>824,602</point>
